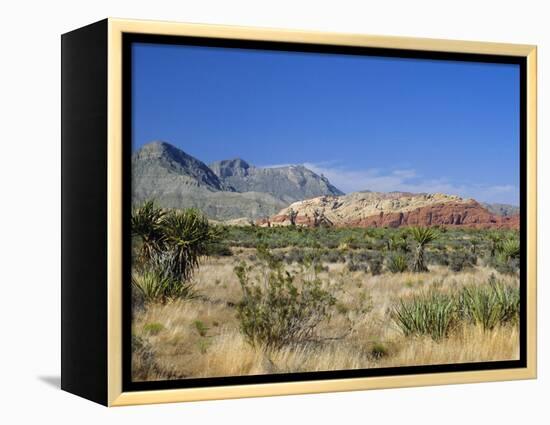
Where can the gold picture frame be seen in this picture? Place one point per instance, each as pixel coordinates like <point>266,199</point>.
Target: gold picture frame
<point>115,395</point>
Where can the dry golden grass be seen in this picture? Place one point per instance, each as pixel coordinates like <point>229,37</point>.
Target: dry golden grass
<point>200,337</point>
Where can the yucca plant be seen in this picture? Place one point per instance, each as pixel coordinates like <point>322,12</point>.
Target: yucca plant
<point>422,236</point>
<point>510,249</point>
<point>495,239</point>
<point>489,305</point>
<point>479,306</point>
<point>429,313</point>
<point>397,263</point>
<point>147,224</point>
<point>474,243</point>
<point>154,285</point>
<point>188,235</point>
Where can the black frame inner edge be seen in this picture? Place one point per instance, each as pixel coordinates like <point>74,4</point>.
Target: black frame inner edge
<point>129,38</point>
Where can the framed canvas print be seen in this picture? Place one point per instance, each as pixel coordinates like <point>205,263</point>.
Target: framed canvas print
<point>251,212</point>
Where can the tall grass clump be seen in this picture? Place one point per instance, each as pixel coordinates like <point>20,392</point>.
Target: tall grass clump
<point>490,305</point>
<point>397,263</point>
<point>275,310</point>
<point>430,313</point>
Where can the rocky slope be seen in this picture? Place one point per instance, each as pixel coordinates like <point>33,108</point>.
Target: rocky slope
<point>289,184</point>
<point>504,210</point>
<point>228,190</point>
<point>175,179</point>
<point>374,209</point>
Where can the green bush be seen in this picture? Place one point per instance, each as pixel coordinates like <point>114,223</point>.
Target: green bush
<point>274,311</point>
<point>397,263</point>
<point>219,250</point>
<point>430,313</point>
<point>490,305</point>
<point>295,256</point>
<point>378,350</point>
<point>460,260</point>
<point>376,263</point>
<point>503,265</point>
<point>355,267</point>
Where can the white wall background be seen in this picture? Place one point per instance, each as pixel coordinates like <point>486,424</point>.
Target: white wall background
<point>30,211</point>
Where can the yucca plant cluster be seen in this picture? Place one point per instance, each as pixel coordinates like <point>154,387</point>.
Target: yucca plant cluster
<point>437,314</point>
<point>430,313</point>
<point>171,245</point>
<point>489,305</point>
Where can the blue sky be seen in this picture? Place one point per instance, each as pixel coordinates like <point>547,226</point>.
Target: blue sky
<point>371,123</point>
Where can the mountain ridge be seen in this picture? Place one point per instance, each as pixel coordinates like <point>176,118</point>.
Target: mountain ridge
<point>175,179</point>
<point>289,183</point>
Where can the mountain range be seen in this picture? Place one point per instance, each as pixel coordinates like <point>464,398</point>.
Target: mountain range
<point>233,189</point>
<point>227,189</point>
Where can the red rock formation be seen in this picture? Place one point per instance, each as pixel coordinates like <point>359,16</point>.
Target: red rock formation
<point>450,214</point>
<point>470,214</point>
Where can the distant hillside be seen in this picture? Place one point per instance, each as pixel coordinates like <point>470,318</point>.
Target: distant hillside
<point>289,183</point>
<point>504,210</point>
<point>395,209</point>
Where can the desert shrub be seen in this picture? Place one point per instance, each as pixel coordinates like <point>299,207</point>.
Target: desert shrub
<point>397,263</point>
<point>376,263</point>
<point>490,305</point>
<point>460,260</point>
<point>153,328</point>
<point>219,250</point>
<point>378,351</point>
<point>439,256</point>
<point>295,256</point>
<point>342,308</point>
<point>398,242</point>
<point>143,358</point>
<point>508,267</point>
<point>200,327</point>
<point>429,313</point>
<point>333,256</point>
<point>274,310</point>
<point>503,265</point>
<point>361,256</point>
<point>352,266</point>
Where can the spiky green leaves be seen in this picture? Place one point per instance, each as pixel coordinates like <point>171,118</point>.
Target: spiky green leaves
<point>172,243</point>
<point>422,236</point>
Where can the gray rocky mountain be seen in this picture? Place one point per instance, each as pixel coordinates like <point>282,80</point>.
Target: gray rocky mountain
<point>175,179</point>
<point>288,183</point>
<point>503,210</point>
